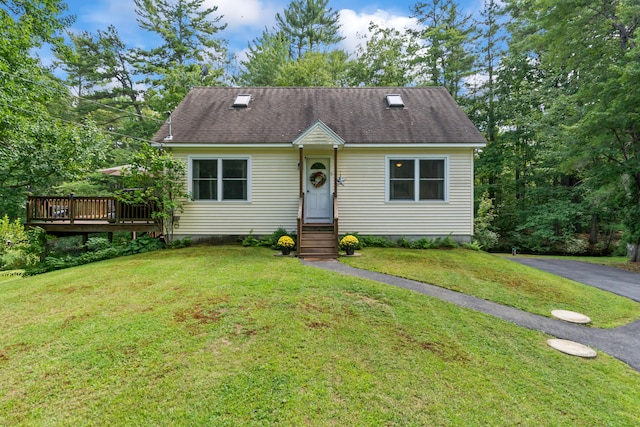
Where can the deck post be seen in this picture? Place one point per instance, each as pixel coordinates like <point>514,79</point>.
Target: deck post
<point>72,208</point>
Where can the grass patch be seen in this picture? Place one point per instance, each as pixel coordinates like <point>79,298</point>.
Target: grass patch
<point>10,274</point>
<point>497,279</point>
<point>235,336</point>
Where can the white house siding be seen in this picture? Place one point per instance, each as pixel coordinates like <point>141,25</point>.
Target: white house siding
<point>273,190</point>
<point>363,208</point>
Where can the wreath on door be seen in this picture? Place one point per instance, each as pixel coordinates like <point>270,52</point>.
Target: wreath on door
<point>318,179</point>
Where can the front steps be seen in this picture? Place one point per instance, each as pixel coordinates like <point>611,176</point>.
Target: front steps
<point>317,241</point>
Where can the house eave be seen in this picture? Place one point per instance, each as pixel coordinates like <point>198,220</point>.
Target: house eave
<point>219,145</point>
<point>421,145</point>
<point>346,145</point>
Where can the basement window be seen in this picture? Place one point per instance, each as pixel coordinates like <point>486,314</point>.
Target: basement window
<point>395,101</point>
<point>242,101</point>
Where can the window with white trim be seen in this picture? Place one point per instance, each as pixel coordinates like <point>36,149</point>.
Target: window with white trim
<point>220,179</point>
<point>417,179</point>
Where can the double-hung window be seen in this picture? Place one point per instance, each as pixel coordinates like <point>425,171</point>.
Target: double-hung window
<point>220,179</point>
<point>417,179</point>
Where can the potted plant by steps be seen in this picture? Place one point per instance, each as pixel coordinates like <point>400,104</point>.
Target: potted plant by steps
<point>285,244</point>
<point>349,243</point>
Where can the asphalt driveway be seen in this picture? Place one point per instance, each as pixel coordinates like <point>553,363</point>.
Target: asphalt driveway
<point>615,280</point>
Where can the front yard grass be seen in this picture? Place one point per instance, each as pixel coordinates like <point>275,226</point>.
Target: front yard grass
<point>232,336</point>
<point>497,279</point>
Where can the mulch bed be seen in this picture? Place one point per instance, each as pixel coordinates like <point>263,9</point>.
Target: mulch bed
<point>630,266</point>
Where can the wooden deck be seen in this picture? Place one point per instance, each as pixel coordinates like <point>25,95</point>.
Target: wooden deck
<point>82,215</point>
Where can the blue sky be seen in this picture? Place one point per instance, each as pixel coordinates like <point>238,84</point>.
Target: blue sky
<point>246,19</point>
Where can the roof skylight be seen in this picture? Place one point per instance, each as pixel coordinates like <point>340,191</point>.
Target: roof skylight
<point>395,101</point>
<point>242,101</point>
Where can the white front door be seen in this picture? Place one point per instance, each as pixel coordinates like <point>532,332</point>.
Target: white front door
<point>318,203</point>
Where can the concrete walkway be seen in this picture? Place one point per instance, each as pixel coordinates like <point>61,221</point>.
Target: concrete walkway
<point>622,342</point>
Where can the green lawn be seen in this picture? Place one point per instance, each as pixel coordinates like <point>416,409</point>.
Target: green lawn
<point>227,336</point>
<point>497,279</point>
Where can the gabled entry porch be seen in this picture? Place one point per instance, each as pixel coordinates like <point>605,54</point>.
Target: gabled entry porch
<point>318,217</point>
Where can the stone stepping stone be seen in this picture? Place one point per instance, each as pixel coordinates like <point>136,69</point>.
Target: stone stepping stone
<point>572,348</point>
<point>570,316</point>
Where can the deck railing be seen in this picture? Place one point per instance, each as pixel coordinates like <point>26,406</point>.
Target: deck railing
<point>71,208</point>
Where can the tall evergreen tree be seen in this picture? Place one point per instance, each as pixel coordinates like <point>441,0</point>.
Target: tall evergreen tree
<point>309,25</point>
<point>382,61</point>
<point>100,68</point>
<point>444,56</point>
<point>267,55</point>
<point>491,42</point>
<point>189,37</point>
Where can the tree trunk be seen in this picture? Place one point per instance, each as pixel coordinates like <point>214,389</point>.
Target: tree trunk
<point>593,235</point>
<point>633,252</point>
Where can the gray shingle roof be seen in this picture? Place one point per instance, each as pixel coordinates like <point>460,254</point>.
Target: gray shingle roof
<point>358,115</point>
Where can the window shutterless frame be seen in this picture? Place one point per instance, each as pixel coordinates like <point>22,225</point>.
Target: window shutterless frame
<point>219,178</point>
<point>411,178</point>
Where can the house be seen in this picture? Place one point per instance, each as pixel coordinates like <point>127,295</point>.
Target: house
<point>392,162</point>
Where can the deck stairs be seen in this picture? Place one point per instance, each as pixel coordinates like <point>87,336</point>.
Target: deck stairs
<point>317,241</point>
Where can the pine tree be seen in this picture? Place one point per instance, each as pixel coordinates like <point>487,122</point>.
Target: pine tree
<point>309,25</point>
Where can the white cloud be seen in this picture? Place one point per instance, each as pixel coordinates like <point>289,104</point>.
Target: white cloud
<point>355,25</point>
<point>247,15</point>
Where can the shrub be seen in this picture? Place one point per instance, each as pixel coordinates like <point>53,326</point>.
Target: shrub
<point>423,243</point>
<point>272,241</point>
<point>483,224</point>
<point>250,240</point>
<point>97,243</point>
<point>19,248</point>
<point>448,243</point>
<point>575,245</point>
<point>140,245</point>
<point>180,243</point>
<point>375,241</point>
<point>143,244</point>
<point>474,245</point>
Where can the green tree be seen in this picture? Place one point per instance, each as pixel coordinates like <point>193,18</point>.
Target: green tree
<point>267,56</point>
<point>444,56</point>
<point>159,178</point>
<point>383,60</point>
<point>491,40</point>
<point>309,25</point>
<point>315,69</point>
<point>592,46</point>
<point>100,70</point>
<point>188,33</point>
<point>37,148</point>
